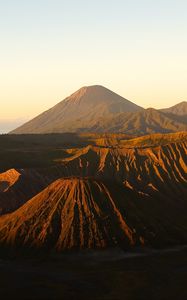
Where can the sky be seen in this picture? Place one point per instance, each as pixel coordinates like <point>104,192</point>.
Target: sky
<point>51,48</point>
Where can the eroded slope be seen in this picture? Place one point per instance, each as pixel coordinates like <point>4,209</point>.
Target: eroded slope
<point>146,169</point>
<point>86,213</point>
<point>117,192</point>
<point>8,178</point>
<point>18,186</point>
<point>70,213</point>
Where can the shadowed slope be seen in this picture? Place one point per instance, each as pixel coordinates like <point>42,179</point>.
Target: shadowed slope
<point>86,214</point>
<point>70,213</point>
<point>7,179</point>
<point>125,194</point>
<point>18,186</point>
<point>145,164</point>
<point>145,169</point>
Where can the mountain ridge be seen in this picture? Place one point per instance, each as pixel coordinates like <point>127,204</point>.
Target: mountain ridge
<point>126,194</point>
<point>98,109</point>
<point>177,109</point>
<point>87,103</point>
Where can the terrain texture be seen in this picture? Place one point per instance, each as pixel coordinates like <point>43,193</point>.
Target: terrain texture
<point>98,191</point>
<point>95,171</point>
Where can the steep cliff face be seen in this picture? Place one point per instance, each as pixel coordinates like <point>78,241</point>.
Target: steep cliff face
<point>145,169</point>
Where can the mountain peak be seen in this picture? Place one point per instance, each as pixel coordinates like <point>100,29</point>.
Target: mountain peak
<point>80,111</point>
<point>94,92</point>
<point>95,108</point>
<point>87,89</point>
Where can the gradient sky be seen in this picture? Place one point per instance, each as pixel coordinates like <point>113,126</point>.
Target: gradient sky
<point>51,48</point>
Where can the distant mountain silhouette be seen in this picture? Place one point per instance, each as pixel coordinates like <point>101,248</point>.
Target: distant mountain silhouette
<point>83,107</point>
<point>97,109</point>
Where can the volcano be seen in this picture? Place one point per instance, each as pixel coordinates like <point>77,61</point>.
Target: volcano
<point>96,109</point>
<point>79,111</point>
<point>127,194</point>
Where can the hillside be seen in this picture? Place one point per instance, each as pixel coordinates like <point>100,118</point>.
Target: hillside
<point>179,109</point>
<point>95,109</point>
<point>138,123</point>
<point>145,169</point>
<point>83,107</point>
<point>18,186</point>
<point>8,178</point>
<point>109,194</point>
<point>70,213</point>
